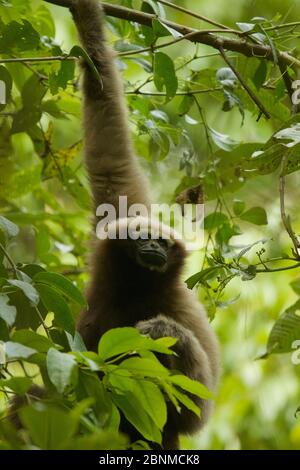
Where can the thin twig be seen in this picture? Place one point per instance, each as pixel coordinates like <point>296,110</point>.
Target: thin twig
<point>195,15</point>
<point>42,322</point>
<point>36,59</point>
<point>281,26</point>
<point>179,93</point>
<point>275,270</point>
<point>9,259</point>
<point>252,95</point>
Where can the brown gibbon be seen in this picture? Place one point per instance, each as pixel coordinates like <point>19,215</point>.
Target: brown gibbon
<point>135,282</point>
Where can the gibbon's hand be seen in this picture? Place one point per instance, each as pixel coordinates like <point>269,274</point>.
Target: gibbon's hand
<point>185,347</point>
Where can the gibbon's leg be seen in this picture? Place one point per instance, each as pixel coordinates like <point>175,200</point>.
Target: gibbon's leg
<point>111,163</point>
<point>192,360</point>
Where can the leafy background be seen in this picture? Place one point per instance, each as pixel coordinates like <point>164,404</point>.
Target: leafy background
<point>205,141</point>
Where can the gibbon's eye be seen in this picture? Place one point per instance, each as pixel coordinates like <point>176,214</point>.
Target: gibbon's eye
<point>164,243</point>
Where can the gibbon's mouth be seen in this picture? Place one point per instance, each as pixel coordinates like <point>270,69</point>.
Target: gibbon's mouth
<point>152,259</point>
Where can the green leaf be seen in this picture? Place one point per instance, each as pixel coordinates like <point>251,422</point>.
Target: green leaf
<point>249,273</point>
<point>27,316</point>
<point>62,77</point>
<point>55,303</point>
<point>4,332</point>
<point>7,312</point>
<point>61,283</point>
<point>31,269</point>
<point>20,385</point>
<point>19,37</point>
<point>223,141</point>
<point>185,105</point>
<point>42,240</point>
<point>292,134</point>
<point>214,220</point>
<point>248,247</point>
<point>101,440</point>
<point>225,233</point>
<point>146,392</point>
<point>246,27</point>
<point>60,159</point>
<point>164,74</point>
<point>255,215</point>
<point>295,285</point>
<point>137,416</point>
<point>202,276</point>
<point>62,369</point>
<point>144,367</point>
<point>226,77</point>
<point>28,290</point>
<point>151,6</point>
<point>161,30</point>
<point>238,207</point>
<point>26,119</point>
<point>78,51</point>
<point>75,187</point>
<point>192,386</point>
<point>89,385</point>
<point>49,427</point>
<point>18,351</point>
<point>32,340</point>
<point>285,331</point>
<point>118,341</point>
<point>44,21</point>
<point>186,401</point>
<point>33,92</point>
<point>260,74</point>
<point>122,340</point>
<point>9,228</point>
<point>152,400</point>
<point>76,342</point>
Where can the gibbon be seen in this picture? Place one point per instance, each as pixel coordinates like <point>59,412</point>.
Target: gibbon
<point>135,282</point>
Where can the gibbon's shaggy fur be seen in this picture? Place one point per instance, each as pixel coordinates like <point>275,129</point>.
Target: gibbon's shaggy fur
<point>126,290</point>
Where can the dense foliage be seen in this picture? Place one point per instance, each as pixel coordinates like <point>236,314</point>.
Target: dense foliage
<point>223,127</point>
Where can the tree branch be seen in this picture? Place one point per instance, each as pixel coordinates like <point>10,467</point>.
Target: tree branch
<point>36,59</point>
<point>242,46</point>
<point>276,270</point>
<point>178,93</point>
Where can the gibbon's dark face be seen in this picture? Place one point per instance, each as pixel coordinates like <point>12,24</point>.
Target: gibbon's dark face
<point>152,254</point>
<point>152,247</point>
<point>158,255</point>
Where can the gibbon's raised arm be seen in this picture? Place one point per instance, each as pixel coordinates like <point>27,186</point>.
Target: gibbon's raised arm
<point>111,163</point>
